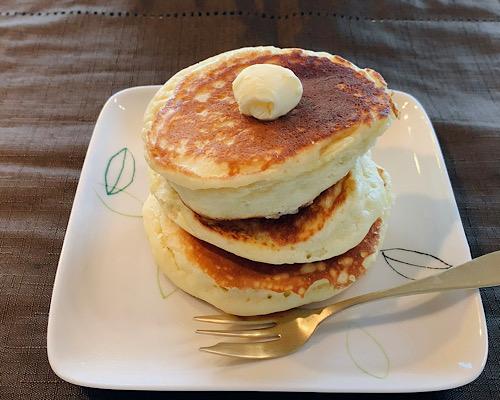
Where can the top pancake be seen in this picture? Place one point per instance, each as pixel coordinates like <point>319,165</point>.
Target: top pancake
<point>196,137</point>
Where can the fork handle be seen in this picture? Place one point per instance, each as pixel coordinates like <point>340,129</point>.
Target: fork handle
<point>481,272</point>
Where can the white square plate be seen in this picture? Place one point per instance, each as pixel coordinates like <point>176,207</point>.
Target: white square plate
<point>115,323</point>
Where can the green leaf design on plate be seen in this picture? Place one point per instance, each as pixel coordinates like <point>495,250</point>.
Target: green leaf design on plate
<point>124,214</point>
<point>120,171</point>
<point>158,282</point>
<point>367,353</point>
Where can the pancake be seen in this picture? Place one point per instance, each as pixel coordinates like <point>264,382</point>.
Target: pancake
<point>336,221</point>
<point>243,287</point>
<point>225,165</point>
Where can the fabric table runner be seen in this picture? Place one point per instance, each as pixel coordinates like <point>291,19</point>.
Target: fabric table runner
<point>60,61</point>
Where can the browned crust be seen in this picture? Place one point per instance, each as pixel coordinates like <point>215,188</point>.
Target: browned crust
<point>336,99</point>
<point>231,271</point>
<point>288,229</point>
<point>394,108</point>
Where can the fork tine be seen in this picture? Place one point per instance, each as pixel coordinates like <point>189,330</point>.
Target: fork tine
<point>257,350</point>
<point>254,333</point>
<point>232,319</point>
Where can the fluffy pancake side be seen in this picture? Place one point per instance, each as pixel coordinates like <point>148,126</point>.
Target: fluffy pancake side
<point>196,137</point>
<point>270,199</point>
<point>336,221</point>
<point>243,287</point>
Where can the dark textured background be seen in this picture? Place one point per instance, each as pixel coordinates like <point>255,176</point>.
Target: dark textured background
<point>59,62</point>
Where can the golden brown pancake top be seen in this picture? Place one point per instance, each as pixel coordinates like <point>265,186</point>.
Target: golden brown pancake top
<point>202,121</point>
<point>231,271</point>
<point>290,228</point>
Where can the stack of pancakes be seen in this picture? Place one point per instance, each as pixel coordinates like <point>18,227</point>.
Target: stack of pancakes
<point>256,217</point>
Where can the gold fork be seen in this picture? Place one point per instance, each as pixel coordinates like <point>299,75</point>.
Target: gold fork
<point>278,334</point>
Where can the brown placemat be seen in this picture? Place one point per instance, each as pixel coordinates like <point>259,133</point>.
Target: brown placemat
<point>59,62</point>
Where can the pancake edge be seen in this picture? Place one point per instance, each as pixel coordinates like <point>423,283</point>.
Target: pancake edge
<point>347,221</point>
<point>243,302</point>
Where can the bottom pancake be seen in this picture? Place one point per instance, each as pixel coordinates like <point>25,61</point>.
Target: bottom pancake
<point>244,287</point>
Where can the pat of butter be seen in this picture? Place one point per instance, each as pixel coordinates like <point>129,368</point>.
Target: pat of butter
<point>266,91</point>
